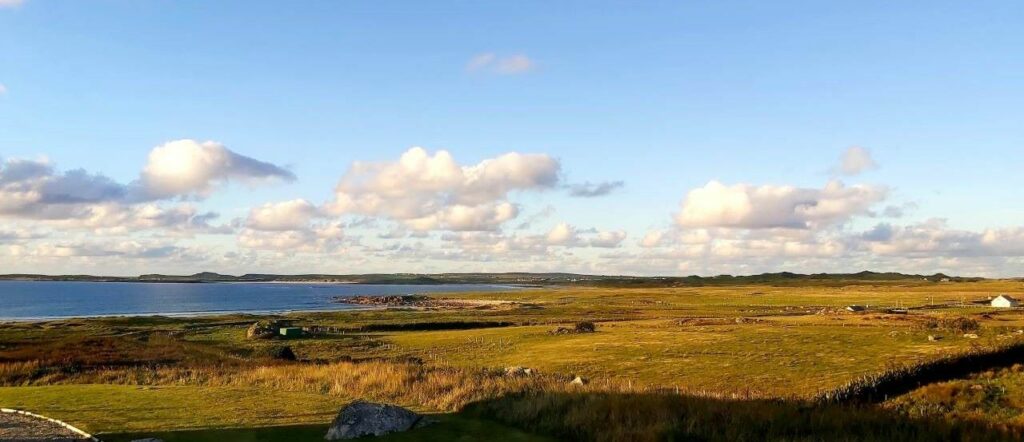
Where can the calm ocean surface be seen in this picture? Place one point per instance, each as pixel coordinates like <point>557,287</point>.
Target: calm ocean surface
<point>53,299</point>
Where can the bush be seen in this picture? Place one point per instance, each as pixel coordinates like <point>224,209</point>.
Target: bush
<point>585,327</point>
<point>281,352</point>
<point>959,324</point>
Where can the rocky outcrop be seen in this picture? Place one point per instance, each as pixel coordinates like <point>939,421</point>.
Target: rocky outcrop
<point>362,418</point>
<point>266,329</point>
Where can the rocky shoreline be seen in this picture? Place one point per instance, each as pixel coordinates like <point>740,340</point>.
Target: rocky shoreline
<point>423,302</point>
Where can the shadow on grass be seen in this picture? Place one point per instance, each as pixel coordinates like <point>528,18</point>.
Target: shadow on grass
<point>449,428</point>
<point>661,417</point>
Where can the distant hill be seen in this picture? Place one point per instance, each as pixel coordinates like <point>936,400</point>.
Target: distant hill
<point>780,278</point>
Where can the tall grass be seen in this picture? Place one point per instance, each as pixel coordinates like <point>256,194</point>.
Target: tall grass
<point>615,417</point>
<point>897,380</point>
<point>548,404</point>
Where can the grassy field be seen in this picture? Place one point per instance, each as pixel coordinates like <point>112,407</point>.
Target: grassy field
<point>748,343</point>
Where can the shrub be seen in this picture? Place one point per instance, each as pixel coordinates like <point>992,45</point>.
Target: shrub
<point>959,324</point>
<point>585,327</point>
<point>281,352</point>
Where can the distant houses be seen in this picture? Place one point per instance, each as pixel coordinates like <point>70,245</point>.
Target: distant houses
<point>1005,301</point>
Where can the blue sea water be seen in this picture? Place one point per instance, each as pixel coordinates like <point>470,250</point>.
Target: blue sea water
<point>22,300</point>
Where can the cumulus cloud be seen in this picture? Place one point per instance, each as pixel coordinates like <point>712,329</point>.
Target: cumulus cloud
<point>768,206</point>
<point>33,189</point>
<point>590,190</point>
<point>653,238</point>
<point>192,168</point>
<point>432,191</point>
<point>93,249</point>
<point>562,234</point>
<point>608,239</point>
<point>567,235</point>
<point>36,190</point>
<point>286,215</point>
<point>855,160</point>
<point>317,238</point>
<point>935,238</point>
<point>504,65</point>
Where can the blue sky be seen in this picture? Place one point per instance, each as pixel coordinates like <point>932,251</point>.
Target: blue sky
<point>663,96</point>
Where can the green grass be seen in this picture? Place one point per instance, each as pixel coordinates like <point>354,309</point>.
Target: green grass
<point>122,408</point>
<point>995,397</point>
<point>751,340</point>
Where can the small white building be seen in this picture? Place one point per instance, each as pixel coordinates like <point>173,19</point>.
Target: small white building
<point>1004,301</point>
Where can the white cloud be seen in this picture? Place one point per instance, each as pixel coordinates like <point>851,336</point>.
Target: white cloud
<point>653,238</point>
<point>562,234</point>
<point>190,168</point>
<point>286,215</point>
<point>93,249</point>
<point>856,160</point>
<point>432,191</point>
<point>503,65</point>
<point>935,238</point>
<point>319,238</point>
<point>755,207</point>
<point>11,3</point>
<point>481,61</point>
<point>35,190</point>
<point>608,239</point>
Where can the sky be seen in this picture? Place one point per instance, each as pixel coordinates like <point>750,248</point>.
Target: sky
<point>641,138</point>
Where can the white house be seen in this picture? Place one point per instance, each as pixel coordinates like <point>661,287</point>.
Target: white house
<point>1004,301</point>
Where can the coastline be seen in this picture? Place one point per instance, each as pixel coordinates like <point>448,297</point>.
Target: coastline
<point>198,314</point>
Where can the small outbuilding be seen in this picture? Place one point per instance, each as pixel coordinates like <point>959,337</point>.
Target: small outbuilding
<point>1005,301</point>
<point>855,308</point>
<point>291,332</point>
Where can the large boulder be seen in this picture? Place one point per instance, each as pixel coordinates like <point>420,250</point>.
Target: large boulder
<point>362,418</point>
<point>265,329</point>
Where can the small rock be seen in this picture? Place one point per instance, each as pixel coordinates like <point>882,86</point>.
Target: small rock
<point>578,381</point>
<point>362,418</point>
<point>934,338</point>
<point>971,336</point>
<point>518,371</point>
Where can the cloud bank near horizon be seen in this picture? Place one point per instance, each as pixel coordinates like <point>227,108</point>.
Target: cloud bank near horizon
<point>427,211</point>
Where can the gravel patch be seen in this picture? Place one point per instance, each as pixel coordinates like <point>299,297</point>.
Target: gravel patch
<point>21,428</point>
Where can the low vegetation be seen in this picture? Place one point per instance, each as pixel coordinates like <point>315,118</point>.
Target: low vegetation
<point>738,362</point>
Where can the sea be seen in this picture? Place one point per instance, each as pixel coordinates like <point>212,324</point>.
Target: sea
<point>39,300</point>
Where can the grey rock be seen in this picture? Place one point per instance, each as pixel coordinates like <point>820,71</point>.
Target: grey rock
<point>518,371</point>
<point>362,418</point>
